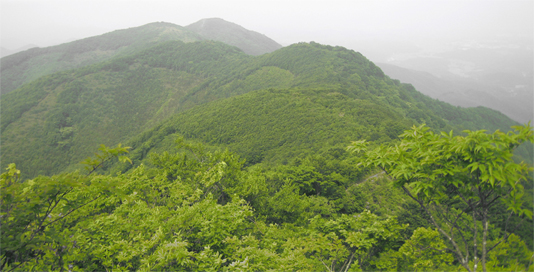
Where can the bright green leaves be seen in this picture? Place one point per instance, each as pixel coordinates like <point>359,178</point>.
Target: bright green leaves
<point>341,243</point>
<point>172,216</point>
<point>159,218</point>
<point>511,255</point>
<point>362,235</point>
<point>139,236</point>
<point>424,251</point>
<point>515,202</point>
<point>457,179</point>
<point>106,154</point>
<point>11,175</point>
<point>358,146</point>
<point>429,161</point>
<point>248,253</point>
<point>198,209</point>
<point>212,172</point>
<point>35,212</point>
<point>213,175</point>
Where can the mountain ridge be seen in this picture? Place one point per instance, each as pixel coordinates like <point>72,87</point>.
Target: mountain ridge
<point>251,42</point>
<point>25,66</point>
<point>65,116</point>
<point>31,64</point>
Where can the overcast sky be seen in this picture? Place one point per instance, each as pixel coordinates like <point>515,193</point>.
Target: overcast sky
<point>50,22</point>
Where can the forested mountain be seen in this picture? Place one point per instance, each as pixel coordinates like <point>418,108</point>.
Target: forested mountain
<point>468,93</point>
<point>6,52</point>
<point>250,42</point>
<point>273,126</point>
<point>228,161</point>
<point>65,116</point>
<point>31,64</point>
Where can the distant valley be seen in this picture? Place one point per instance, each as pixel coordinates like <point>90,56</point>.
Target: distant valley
<point>494,74</point>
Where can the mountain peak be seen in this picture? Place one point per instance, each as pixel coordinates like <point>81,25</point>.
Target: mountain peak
<point>251,42</point>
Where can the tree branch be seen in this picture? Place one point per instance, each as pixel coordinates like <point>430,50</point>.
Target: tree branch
<point>457,251</point>
<point>506,236</point>
<point>347,263</point>
<point>73,210</point>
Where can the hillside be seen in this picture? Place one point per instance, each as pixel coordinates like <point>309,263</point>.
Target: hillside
<point>6,52</point>
<point>464,92</point>
<point>276,125</point>
<point>251,42</point>
<point>26,66</point>
<point>65,116</point>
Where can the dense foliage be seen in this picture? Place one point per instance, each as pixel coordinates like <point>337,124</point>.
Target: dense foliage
<point>199,208</point>
<point>457,181</point>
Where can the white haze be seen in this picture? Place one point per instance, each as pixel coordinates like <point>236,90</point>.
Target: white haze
<point>378,27</point>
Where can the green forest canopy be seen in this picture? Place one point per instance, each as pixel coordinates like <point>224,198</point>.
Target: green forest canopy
<point>201,209</point>
<point>67,115</point>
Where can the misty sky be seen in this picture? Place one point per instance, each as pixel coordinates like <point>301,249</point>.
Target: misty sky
<point>50,22</point>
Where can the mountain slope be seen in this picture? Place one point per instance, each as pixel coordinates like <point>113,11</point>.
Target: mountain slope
<point>251,42</point>
<point>466,92</point>
<point>31,64</point>
<point>65,116</point>
<point>6,52</point>
<point>275,126</point>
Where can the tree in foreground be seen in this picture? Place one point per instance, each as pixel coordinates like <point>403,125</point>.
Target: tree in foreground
<point>34,214</point>
<point>458,181</point>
